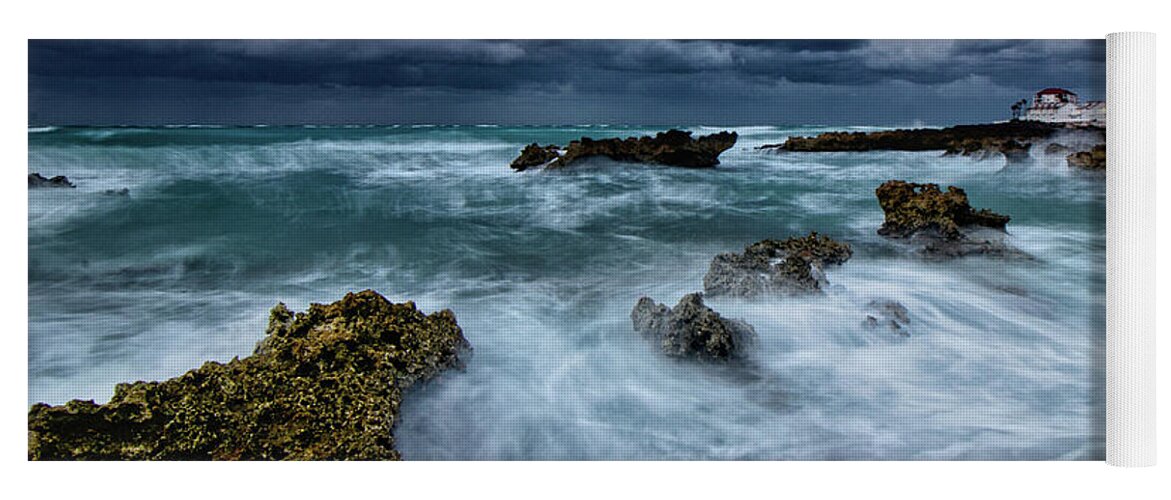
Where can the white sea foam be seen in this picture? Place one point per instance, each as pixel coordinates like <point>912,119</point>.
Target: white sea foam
<point>542,269</point>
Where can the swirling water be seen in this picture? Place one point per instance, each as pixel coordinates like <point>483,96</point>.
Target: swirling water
<point>1004,361</point>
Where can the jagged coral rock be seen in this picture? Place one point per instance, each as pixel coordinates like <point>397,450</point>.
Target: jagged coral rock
<point>323,384</point>
<point>673,147</point>
<point>791,266</point>
<point>911,208</point>
<point>1094,159</point>
<point>691,329</point>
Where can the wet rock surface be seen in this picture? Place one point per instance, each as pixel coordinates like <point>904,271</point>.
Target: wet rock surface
<point>944,224</point>
<point>966,140</point>
<point>1094,159</point>
<point>691,329</point>
<point>36,180</point>
<point>912,208</point>
<point>890,315</point>
<point>673,147</point>
<point>787,267</point>
<point>323,384</point>
<point>535,155</point>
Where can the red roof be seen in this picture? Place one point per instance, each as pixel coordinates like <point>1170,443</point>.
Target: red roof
<point>1055,91</point>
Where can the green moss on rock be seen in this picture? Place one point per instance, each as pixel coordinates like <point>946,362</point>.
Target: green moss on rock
<point>324,384</point>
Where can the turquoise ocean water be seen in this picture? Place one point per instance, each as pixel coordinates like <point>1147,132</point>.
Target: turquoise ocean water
<point>1004,361</point>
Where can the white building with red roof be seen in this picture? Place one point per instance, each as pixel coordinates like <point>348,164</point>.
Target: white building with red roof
<point>1055,105</point>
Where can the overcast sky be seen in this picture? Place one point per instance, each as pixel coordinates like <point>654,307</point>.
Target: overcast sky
<point>650,82</point>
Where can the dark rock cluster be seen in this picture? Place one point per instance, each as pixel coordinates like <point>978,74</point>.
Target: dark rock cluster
<point>323,384</point>
<point>691,329</point>
<point>1094,159</point>
<point>673,147</point>
<point>36,180</point>
<point>791,266</point>
<point>1012,139</point>
<point>535,155</point>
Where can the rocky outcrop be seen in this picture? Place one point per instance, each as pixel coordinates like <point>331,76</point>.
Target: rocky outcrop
<point>889,314</point>
<point>945,224</point>
<point>913,208</point>
<point>1094,159</point>
<point>691,329</point>
<point>673,147</point>
<point>323,384</point>
<point>1010,139</point>
<point>535,155</point>
<point>1015,153</point>
<point>1056,149</point>
<point>36,180</point>
<point>786,267</point>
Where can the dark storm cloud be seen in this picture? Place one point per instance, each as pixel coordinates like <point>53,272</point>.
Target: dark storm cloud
<point>541,81</point>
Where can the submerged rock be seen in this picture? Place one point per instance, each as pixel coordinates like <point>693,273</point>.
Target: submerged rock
<point>117,192</point>
<point>323,384</point>
<point>788,267</point>
<point>691,329</point>
<point>943,223</point>
<point>673,147</point>
<point>36,180</point>
<point>1094,159</point>
<point>891,314</point>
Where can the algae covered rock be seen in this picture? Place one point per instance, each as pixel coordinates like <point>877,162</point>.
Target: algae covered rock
<point>324,384</point>
<point>691,329</point>
<point>791,266</point>
<point>673,147</point>
<point>1094,159</point>
<point>913,208</point>
<point>943,223</point>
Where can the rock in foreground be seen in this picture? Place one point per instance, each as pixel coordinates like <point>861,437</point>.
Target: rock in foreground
<point>324,384</point>
<point>691,329</point>
<point>673,147</point>
<point>787,267</point>
<point>1094,159</point>
<point>36,180</point>
<point>944,223</point>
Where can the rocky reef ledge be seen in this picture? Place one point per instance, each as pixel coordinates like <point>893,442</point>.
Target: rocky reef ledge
<point>1010,138</point>
<point>673,147</point>
<point>1094,159</point>
<point>36,180</point>
<point>691,329</point>
<point>786,267</point>
<point>323,384</point>
<point>944,223</point>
